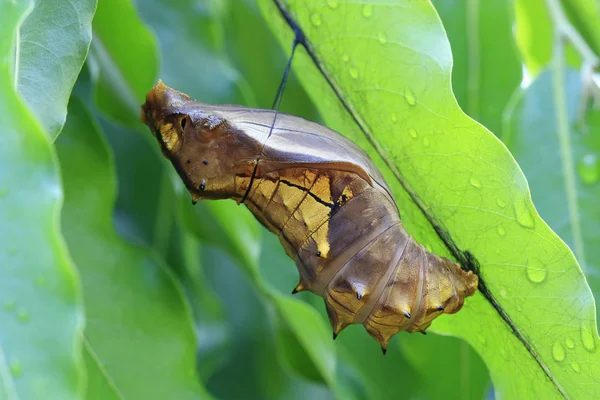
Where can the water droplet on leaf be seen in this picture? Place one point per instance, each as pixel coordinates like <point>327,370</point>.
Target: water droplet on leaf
<point>367,10</point>
<point>575,366</point>
<point>475,182</point>
<point>394,118</point>
<point>501,231</point>
<point>536,272</point>
<point>353,73</point>
<point>409,96</point>
<point>345,58</point>
<point>500,203</point>
<point>587,338</point>
<point>382,37</point>
<point>569,343</point>
<point>413,132</point>
<point>558,351</point>
<point>332,4</point>
<point>316,19</point>
<point>523,215</point>
<point>426,142</point>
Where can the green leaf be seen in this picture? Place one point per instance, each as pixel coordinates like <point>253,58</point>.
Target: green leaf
<point>123,59</point>
<point>211,223</point>
<point>54,42</point>
<point>448,367</point>
<point>193,55</point>
<point>534,36</point>
<point>41,318</point>
<point>487,69</point>
<point>391,65</point>
<point>533,31</point>
<point>139,326</point>
<point>305,340</point>
<point>212,331</point>
<point>564,170</point>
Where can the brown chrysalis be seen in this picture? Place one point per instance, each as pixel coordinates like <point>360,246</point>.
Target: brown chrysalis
<point>324,198</point>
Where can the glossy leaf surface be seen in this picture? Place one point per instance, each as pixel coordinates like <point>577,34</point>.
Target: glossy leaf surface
<point>41,318</point>
<point>54,42</point>
<point>393,72</point>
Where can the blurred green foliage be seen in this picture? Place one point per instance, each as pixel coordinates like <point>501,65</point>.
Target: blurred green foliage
<point>194,302</point>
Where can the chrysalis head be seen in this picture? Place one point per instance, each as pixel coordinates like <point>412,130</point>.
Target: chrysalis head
<point>207,152</point>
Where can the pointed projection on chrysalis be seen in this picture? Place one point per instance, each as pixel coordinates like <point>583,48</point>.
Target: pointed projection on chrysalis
<point>324,198</point>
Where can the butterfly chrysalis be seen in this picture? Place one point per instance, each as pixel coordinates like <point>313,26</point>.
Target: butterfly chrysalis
<point>323,197</point>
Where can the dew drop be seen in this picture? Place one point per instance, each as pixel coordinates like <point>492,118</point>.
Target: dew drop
<point>501,203</point>
<point>367,10</point>
<point>23,316</point>
<point>569,343</point>
<point>536,275</point>
<point>536,272</point>
<point>9,306</point>
<point>589,169</point>
<point>3,192</point>
<point>475,182</point>
<point>426,142</point>
<point>394,118</point>
<point>523,214</point>
<point>587,338</point>
<point>345,58</point>
<point>575,366</point>
<point>16,368</point>
<point>558,351</point>
<point>382,37</point>
<point>501,231</point>
<point>413,132</point>
<point>410,97</point>
<point>353,73</point>
<point>316,19</point>
<point>333,4</point>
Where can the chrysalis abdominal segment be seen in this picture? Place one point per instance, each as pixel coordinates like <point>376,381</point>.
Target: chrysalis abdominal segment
<point>324,198</point>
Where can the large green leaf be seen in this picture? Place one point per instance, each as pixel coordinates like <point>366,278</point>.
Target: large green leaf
<point>486,68</point>
<point>41,318</point>
<point>54,42</point>
<point>391,65</point>
<point>139,328</point>
<point>564,171</point>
